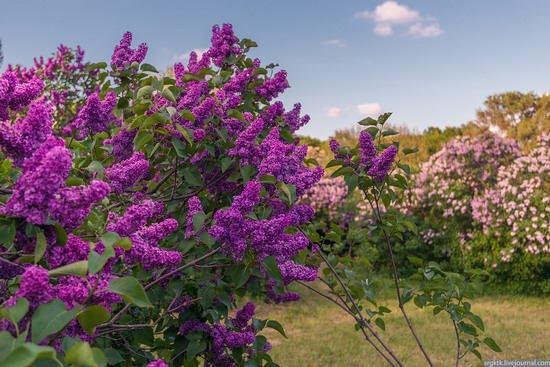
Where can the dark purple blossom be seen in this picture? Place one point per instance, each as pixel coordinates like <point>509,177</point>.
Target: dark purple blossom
<point>382,163</point>
<point>96,115</point>
<point>126,174</point>
<point>124,55</point>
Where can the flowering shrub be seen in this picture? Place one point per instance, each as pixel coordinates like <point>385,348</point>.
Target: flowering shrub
<point>496,198</point>
<point>137,210</point>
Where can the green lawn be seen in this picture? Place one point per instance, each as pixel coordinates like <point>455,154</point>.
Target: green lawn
<point>321,334</point>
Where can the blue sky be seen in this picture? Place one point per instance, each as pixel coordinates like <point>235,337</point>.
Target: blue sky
<point>431,62</point>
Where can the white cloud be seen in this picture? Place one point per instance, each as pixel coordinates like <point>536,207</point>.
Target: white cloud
<point>334,43</point>
<point>186,55</point>
<point>389,14</point>
<point>370,109</point>
<point>383,30</point>
<point>425,30</point>
<point>334,112</point>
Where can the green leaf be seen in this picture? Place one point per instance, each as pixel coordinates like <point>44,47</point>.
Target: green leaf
<point>79,269</point>
<point>95,166</point>
<point>92,317</point>
<point>145,91</point>
<point>81,355</point>
<point>267,179</point>
<point>148,67</point>
<point>167,93</point>
<point>138,121</point>
<point>334,163</point>
<point>467,328</point>
<point>492,344</point>
<point>25,354</point>
<point>7,343</point>
<point>109,238</point>
<point>99,357</point>
<point>7,233</point>
<point>380,322</point>
<point>342,171</point>
<point>194,348</point>
<point>236,114</point>
<point>384,117</point>
<point>113,356</point>
<point>270,264</point>
<point>60,235</point>
<point>96,262</point>
<point>51,318</point>
<point>97,65</point>
<point>188,115</point>
<point>478,322</point>
<point>198,221</point>
<point>408,151</point>
<point>389,132</point>
<point>131,290</point>
<point>192,176</point>
<point>368,122</point>
<point>16,312</point>
<point>415,260</point>
<point>276,326</point>
<point>40,248</point>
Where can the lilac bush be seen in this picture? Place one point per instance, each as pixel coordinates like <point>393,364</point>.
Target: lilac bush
<point>497,198</point>
<point>139,211</point>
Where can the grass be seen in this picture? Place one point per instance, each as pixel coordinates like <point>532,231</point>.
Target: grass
<point>321,334</point>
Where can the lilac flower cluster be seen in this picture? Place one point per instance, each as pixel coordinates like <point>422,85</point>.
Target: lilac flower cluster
<point>145,239</point>
<point>366,145</point>
<point>40,192</point>
<point>126,174</point>
<point>124,55</point>
<point>19,141</point>
<point>224,44</point>
<point>271,88</point>
<point>96,115</point>
<point>238,333</point>
<point>16,95</point>
<point>382,164</point>
<point>122,143</point>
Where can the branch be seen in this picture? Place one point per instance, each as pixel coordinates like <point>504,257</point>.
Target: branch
<point>396,281</point>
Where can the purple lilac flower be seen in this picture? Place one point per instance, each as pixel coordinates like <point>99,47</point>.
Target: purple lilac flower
<point>271,88</point>
<point>224,44</point>
<point>366,145</point>
<point>157,363</point>
<point>76,200</point>
<point>124,55</point>
<point>382,163</point>
<point>35,286</point>
<point>123,143</point>
<point>16,95</point>
<point>134,218</point>
<point>20,140</point>
<point>96,115</point>
<point>44,174</point>
<point>126,174</point>
<point>244,315</point>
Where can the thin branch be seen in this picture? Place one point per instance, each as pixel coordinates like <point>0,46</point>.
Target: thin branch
<point>457,344</point>
<point>396,281</point>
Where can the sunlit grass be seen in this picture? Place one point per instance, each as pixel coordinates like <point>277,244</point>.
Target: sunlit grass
<point>321,334</point>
